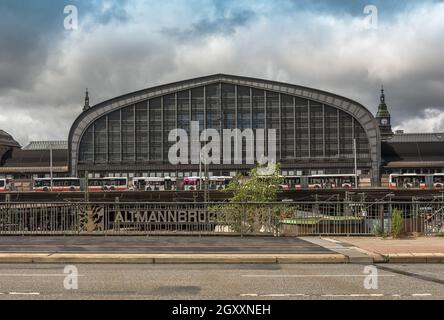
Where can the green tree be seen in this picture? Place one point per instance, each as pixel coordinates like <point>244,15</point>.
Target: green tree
<point>247,210</point>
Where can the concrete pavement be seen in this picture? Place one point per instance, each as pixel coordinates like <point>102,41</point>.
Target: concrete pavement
<point>162,250</point>
<point>218,249</point>
<point>408,250</point>
<point>222,282</point>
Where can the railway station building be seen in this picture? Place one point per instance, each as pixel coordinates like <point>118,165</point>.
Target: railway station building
<point>127,136</point>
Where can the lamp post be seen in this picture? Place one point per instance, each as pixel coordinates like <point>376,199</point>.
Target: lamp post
<point>50,166</point>
<point>355,155</point>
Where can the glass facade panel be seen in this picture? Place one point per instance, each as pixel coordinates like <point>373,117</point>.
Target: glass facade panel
<point>316,130</point>
<point>114,133</point>
<point>87,146</point>
<point>331,132</point>
<point>362,144</point>
<point>258,109</point>
<point>345,135</point>
<point>142,131</point>
<point>169,121</point>
<point>229,106</point>
<point>213,110</point>
<point>155,116</point>
<point>288,126</point>
<point>306,130</point>
<point>243,108</point>
<point>100,140</point>
<point>183,110</point>
<point>197,107</point>
<point>273,118</point>
<point>128,142</point>
<point>302,133</point>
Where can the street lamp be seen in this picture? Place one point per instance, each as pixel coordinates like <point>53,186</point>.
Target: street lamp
<point>355,154</point>
<point>50,166</point>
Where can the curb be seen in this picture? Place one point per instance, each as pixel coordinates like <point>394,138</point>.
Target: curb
<point>42,258</point>
<point>112,258</point>
<point>414,258</point>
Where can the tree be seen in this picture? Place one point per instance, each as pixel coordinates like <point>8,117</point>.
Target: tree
<point>245,212</point>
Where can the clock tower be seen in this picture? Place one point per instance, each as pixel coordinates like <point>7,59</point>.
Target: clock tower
<point>384,118</point>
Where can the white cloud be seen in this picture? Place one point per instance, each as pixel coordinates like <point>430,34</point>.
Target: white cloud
<point>432,120</point>
<point>319,50</point>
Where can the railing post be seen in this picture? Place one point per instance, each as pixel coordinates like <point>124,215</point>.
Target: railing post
<point>381,214</point>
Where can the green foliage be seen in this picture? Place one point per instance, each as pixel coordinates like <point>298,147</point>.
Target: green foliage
<point>258,187</point>
<point>244,213</point>
<point>397,223</point>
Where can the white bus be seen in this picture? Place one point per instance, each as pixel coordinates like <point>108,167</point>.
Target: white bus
<point>108,184</point>
<point>332,181</point>
<point>416,181</point>
<point>408,181</point>
<point>219,182</point>
<point>153,183</point>
<point>58,184</point>
<point>3,185</point>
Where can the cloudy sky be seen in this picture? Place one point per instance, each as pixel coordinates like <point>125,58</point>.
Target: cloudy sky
<point>124,46</point>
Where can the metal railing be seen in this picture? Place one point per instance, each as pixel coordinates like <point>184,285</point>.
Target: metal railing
<point>277,219</point>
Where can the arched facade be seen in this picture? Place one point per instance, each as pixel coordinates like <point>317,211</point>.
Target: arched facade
<point>128,135</point>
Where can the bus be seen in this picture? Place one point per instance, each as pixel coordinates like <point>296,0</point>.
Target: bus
<point>409,181</point>
<point>192,183</point>
<point>108,184</point>
<point>219,182</point>
<point>416,181</point>
<point>153,183</point>
<point>3,185</point>
<point>197,183</point>
<point>58,184</point>
<point>292,183</point>
<point>332,181</point>
<point>438,181</point>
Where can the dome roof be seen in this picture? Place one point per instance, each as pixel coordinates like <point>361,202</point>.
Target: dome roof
<point>6,140</point>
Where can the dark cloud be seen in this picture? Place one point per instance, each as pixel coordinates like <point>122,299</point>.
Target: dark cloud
<point>45,69</point>
<point>225,23</point>
<point>30,30</point>
<point>355,7</point>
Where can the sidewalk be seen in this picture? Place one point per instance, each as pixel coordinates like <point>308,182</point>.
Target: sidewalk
<point>410,250</point>
<point>219,250</point>
<point>165,249</point>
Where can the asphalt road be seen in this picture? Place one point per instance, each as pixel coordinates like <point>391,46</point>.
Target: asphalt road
<point>167,244</point>
<point>171,282</point>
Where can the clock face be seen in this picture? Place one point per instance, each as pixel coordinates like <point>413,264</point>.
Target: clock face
<point>384,122</point>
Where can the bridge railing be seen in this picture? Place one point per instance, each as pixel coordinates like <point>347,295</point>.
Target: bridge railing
<point>277,219</point>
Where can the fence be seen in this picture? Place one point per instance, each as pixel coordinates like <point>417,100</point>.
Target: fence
<point>278,219</point>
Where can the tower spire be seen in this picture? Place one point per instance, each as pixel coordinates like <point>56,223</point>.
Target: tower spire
<point>86,106</point>
<point>382,94</point>
<point>383,116</point>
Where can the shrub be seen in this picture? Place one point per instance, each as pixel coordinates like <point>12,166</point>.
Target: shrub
<point>397,223</point>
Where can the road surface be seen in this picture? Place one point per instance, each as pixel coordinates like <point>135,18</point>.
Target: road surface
<point>198,282</point>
